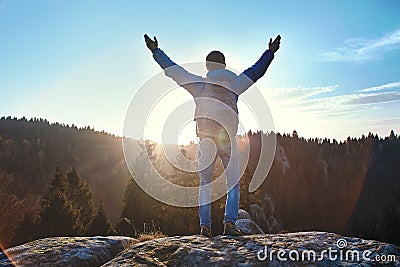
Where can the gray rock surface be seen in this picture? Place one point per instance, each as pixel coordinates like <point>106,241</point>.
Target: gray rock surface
<point>268,206</point>
<point>242,214</point>
<point>201,251</point>
<point>66,251</point>
<point>243,251</point>
<point>248,227</point>
<point>258,216</point>
<point>275,226</point>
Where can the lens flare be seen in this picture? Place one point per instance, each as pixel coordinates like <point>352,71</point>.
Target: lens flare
<point>7,255</point>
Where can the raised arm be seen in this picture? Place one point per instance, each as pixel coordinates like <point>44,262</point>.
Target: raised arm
<point>189,81</point>
<point>255,72</point>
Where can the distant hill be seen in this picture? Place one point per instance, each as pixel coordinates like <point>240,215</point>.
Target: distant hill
<point>350,187</point>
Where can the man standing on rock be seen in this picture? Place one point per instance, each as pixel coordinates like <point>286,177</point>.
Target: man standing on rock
<point>216,117</point>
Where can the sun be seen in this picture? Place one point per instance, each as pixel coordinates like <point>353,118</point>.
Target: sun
<point>170,120</point>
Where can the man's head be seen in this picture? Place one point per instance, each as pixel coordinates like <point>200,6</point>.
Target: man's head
<point>215,60</point>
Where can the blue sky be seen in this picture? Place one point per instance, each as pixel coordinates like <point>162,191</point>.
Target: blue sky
<point>337,73</point>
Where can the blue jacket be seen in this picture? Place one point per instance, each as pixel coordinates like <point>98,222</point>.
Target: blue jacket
<point>222,85</point>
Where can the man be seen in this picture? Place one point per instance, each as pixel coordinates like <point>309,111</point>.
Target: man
<point>216,117</point>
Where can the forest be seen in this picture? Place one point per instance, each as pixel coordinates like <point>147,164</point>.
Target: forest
<point>59,180</point>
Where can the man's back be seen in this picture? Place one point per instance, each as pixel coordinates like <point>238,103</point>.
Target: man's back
<point>216,118</point>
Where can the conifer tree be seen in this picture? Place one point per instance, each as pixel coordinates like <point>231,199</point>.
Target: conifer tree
<point>100,224</point>
<point>67,208</point>
<point>57,218</point>
<point>26,231</point>
<point>130,208</point>
<point>134,211</point>
<point>80,197</point>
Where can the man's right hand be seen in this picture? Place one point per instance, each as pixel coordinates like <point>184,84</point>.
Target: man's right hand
<point>274,45</point>
<point>152,45</point>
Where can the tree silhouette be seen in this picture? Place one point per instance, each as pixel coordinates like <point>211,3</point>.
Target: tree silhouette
<point>100,224</point>
<point>26,231</point>
<point>80,198</point>
<point>67,208</point>
<point>56,215</point>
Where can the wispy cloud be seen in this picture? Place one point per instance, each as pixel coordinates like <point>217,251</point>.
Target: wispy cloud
<point>381,97</point>
<point>315,100</point>
<point>381,87</point>
<point>332,111</point>
<point>360,50</point>
<point>389,92</point>
<point>299,93</point>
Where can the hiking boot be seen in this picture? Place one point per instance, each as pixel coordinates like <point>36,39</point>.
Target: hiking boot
<point>205,231</point>
<point>230,229</point>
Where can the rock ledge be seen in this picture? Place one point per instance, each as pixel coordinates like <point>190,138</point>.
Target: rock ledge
<point>250,250</point>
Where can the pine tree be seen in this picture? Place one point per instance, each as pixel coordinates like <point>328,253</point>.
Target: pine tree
<point>392,135</point>
<point>67,209</point>
<point>100,224</point>
<point>56,215</point>
<point>26,231</point>
<point>134,213</point>
<point>130,208</point>
<point>80,197</point>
